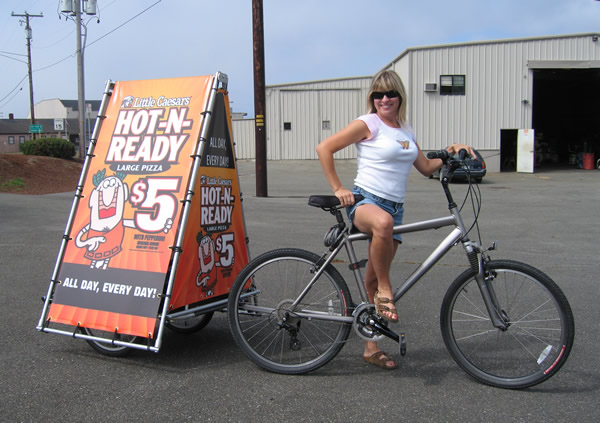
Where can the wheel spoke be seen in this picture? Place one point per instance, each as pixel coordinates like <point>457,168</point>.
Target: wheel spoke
<point>539,332</point>
<point>274,333</point>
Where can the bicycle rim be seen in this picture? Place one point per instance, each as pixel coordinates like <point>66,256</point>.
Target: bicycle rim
<point>540,333</point>
<point>190,325</point>
<point>108,348</point>
<point>269,330</point>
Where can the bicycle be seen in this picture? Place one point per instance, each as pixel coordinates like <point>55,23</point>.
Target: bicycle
<point>505,323</point>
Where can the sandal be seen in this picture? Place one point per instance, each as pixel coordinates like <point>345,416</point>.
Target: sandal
<point>380,359</point>
<point>381,308</point>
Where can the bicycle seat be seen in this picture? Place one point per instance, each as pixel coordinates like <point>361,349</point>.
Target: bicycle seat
<point>328,201</point>
<point>323,201</point>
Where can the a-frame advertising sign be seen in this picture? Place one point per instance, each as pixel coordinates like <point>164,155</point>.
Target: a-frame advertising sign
<point>156,231</point>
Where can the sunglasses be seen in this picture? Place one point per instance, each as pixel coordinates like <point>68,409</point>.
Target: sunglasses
<point>378,95</point>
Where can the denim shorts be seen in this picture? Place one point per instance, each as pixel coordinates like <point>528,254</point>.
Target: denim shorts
<point>393,208</point>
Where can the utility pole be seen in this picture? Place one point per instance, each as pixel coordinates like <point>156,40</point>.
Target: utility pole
<point>27,16</point>
<point>80,83</point>
<point>260,128</point>
<point>73,9</point>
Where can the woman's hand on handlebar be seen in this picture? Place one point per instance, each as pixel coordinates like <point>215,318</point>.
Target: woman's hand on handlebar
<point>455,149</point>
<point>346,197</point>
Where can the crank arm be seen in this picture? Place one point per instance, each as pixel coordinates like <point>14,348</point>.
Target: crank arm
<point>385,330</point>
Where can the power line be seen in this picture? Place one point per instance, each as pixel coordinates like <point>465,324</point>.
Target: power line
<point>12,58</point>
<point>98,39</point>
<point>5,53</point>
<point>13,54</point>
<point>11,99</point>
<point>124,23</point>
<point>16,86</point>
<point>55,63</point>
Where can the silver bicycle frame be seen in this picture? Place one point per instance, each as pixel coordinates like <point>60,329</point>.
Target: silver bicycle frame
<point>457,234</point>
<point>447,243</point>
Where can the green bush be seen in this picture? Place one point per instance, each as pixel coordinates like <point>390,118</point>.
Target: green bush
<point>53,147</point>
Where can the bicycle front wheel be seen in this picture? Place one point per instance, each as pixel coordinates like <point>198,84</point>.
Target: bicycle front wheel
<point>540,323</point>
<point>275,334</point>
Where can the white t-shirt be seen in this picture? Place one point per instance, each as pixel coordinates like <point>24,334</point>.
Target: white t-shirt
<point>384,160</point>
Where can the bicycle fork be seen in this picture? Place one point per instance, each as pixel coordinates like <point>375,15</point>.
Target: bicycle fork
<point>477,259</point>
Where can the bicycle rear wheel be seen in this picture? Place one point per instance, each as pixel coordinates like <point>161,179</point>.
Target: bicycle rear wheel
<point>540,330</point>
<point>277,336</point>
<point>109,349</point>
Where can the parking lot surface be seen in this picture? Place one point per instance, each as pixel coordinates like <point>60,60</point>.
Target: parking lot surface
<point>547,219</point>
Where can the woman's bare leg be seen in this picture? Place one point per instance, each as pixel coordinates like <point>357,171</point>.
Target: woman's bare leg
<point>377,222</point>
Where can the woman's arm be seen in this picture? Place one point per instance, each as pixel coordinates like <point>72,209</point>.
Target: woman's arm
<point>356,131</point>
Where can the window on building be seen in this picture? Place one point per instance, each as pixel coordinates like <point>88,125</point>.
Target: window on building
<point>326,125</point>
<point>21,139</point>
<point>452,85</point>
<point>11,139</point>
<point>287,126</point>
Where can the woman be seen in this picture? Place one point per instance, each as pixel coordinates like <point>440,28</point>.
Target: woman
<point>386,149</point>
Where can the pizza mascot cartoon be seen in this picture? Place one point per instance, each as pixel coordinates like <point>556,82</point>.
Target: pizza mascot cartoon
<point>207,276</point>
<point>103,236</point>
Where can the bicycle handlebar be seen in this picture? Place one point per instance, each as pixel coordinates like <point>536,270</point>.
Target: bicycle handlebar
<point>445,155</point>
<point>442,154</point>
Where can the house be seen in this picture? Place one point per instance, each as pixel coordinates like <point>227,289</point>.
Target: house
<point>14,132</point>
<point>54,118</point>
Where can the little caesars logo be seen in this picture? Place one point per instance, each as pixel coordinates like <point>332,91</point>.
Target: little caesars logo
<point>131,102</point>
<point>148,135</point>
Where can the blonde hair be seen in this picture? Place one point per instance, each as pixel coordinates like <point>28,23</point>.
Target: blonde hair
<point>388,80</point>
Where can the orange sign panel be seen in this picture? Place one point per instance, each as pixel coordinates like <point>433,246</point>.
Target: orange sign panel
<point>113,272</point>
<point>214,248</point>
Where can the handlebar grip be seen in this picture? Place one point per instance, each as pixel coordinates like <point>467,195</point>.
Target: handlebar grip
<point>442,154</point>
<point>462,154</point>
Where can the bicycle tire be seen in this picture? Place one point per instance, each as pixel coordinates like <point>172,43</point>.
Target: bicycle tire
<point>275,338</point>
<point>191,325</point>
<point>108,348</point>
<point>534,346</point>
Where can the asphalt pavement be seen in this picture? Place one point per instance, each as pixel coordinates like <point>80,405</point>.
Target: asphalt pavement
<point>547,219</point>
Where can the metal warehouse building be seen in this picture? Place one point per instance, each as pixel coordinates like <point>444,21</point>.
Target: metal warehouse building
<point>479,93</point>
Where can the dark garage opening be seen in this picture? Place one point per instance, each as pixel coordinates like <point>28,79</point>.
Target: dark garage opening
<point>566,104</point>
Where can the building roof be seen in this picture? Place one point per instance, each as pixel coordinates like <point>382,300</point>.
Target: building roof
<point>74,104</point>
<point>347,78</point>
<point>500,41</point>
<point>21,126</point>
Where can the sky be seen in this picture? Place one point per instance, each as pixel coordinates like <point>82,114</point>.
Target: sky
<point>304,40</point>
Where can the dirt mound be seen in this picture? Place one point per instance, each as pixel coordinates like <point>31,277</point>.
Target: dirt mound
<point>35,175</point>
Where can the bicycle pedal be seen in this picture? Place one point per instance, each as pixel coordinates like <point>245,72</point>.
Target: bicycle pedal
<point>402,344</point>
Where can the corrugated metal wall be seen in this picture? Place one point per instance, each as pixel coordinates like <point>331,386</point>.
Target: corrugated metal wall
<point>299,116</point>
<point>243,137</point>
<point>499,86</point>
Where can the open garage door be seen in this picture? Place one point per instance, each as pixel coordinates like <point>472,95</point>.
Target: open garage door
<point>566,104</point>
